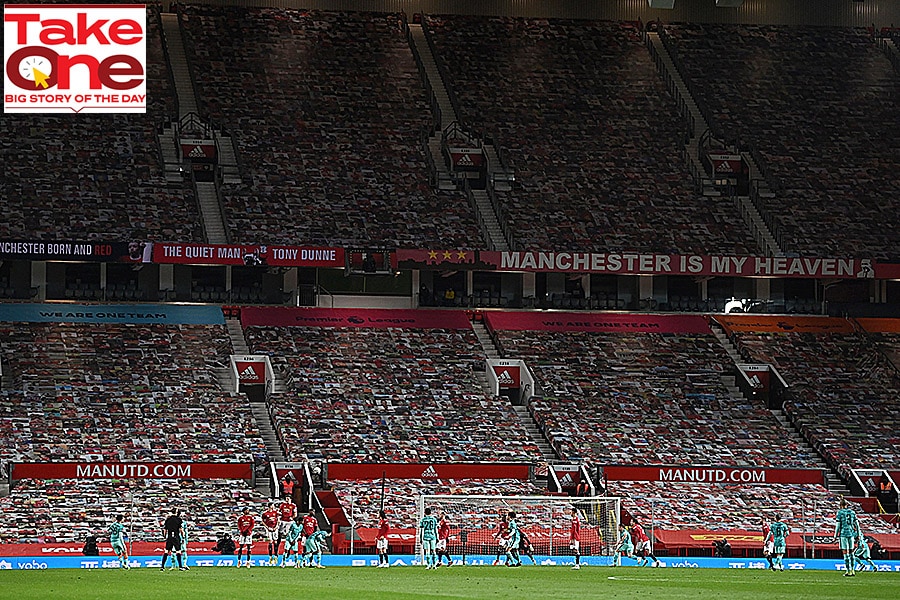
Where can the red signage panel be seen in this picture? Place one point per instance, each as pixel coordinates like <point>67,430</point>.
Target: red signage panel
<point>703,475</point>
<point>361,318</point>
<point>247,254</point>
<point>251,372</point>
<point>775,324</point>
<point>353,471</point>
<point>73,470</point>
<point>507,377</point>
<point>595,322</point>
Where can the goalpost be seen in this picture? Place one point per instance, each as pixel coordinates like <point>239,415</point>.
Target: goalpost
<point>546,520</point>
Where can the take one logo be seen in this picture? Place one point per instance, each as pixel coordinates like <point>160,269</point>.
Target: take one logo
<point>75,58</point>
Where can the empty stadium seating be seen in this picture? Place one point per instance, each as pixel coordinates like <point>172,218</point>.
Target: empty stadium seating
<point>645,398</point>
<point>386,395</point>
<point>843,394</point>
<point>328,112</point>
<point>720,507</point>
<point>820,106</point>
<point>593,136</point>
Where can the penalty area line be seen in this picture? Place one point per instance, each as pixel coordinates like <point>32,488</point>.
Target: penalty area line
<point>614,578</point>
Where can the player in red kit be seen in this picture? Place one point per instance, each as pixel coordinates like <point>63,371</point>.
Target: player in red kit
<point>310,526</point>
<point>642,545</point>
<point>287,512</point>
<point>500,536</point>
<point>381,541</point>
<point>245,524</point>
<point>443,539</point>
<point>270,522</point>
<point>575,538</point>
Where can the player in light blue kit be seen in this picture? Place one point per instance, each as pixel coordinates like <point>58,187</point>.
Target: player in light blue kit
<point>312,549</point>
<point>846,530</point>
<point>184,539</point>
<point>117,541</point>
<point>780,531</point>
<point>513,540</point>
<point>428,527</point>
<point>862,554</point>
<point>291,544</point>
<point>624,545</point>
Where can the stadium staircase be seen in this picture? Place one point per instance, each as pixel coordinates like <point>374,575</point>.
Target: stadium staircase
<point>833,482</point>
<point>525,418</point>
<point>891,51</point>
<point>485,208</point>
<point>700,130</point>
<point>260,410</point>
<point>206,191</point>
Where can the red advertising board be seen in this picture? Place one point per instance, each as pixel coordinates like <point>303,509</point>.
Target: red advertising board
<point>507,377</point>
<point>775,324</point>
<point>248,255</point>
<point>758,375</point>
<point>251,372</point>
<point>880,325</point>
<point>466,158</point>
<point>595,322</point>
<point>137,549</point>
<point>705,475</point>
<point>361,318</point>
<point>725,164</point>
<point>149,470</point>
<point>569,476</point>
<point>354,471</point>
<point>197,149</point>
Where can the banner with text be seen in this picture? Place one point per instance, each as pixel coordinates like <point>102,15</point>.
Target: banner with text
<point>880,325</point>
<point>781,324</point>
<point>64,250</point>
<point>169,314</point>
<point>636,263</point>
<point>362,318</point>
<point>731,475</point>
<point>248,255</point>
<point>593,322</point>
<point>349,471</point>
<point>73,470</point>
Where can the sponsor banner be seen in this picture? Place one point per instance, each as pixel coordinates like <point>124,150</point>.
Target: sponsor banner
<point>355,471</point>
<point>260,560</point>
<point>169,314</point>
<point>880,325</point>
<point>725,164</point>
<point>75,549</point>
<point>248,255</point>
<point>732,475</point>
<point>595,322</point>
<point>457,259</point>
<point>507,377</point>
<point>69,58</point>
<point>870,478</point>
<point>775,324</point>
<point>569,476</point>
<point>68,250</point>
<point>350,317</point>
<point>65,470</point>
<point>757,375</point>
<point>251,372</point>
<point>198,150</point>
<point>466,158</point>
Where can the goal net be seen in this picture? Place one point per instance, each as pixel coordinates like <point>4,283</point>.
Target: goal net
<point>545,520</point>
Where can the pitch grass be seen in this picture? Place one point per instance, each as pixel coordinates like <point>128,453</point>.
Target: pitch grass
<point>351,583</point>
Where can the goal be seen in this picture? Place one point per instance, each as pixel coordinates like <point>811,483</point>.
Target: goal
<point>546,520</point>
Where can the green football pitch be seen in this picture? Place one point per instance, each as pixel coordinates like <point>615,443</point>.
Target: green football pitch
<point>215,583</point>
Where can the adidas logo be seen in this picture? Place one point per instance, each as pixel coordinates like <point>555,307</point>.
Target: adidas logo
<point>755,382</point>
<point>723,167</point>
<point>465,161</point>
<point>429,473</point>
<point>249,373</point>
<point>566,480</point>
<point>197,152</point>
<point>505,377</point>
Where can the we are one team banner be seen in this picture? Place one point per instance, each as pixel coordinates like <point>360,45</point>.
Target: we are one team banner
<point>148,470</point>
